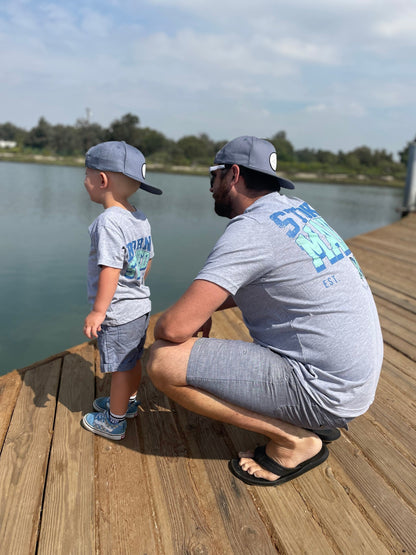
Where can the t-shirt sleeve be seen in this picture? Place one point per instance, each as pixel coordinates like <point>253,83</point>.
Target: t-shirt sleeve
<point>240,256</point>
<point>109,243</point>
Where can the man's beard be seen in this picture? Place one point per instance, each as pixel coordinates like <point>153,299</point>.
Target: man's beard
<point>222,205</point>
<point>222,209</point>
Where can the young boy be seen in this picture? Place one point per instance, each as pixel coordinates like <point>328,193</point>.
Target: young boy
<point>119,260</point>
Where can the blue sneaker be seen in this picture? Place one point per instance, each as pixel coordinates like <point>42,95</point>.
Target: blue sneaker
<point>99,423</point>
<point>103,403</point>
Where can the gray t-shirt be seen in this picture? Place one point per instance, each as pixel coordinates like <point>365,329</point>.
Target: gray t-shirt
<point>303,295</point>
<point>121,239</point>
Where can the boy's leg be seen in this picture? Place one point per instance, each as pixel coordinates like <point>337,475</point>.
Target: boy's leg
<point>123,386</point>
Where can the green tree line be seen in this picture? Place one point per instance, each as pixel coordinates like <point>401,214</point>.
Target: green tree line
<point>190,150</point>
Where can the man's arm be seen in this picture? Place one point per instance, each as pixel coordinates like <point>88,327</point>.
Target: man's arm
<point>107,285</point>
<point>183,320</point>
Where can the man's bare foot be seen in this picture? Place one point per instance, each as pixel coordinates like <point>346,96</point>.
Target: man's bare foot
<point>307,448</point>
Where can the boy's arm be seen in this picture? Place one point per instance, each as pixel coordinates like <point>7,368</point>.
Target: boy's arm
<point>149,265</point>
<point>107,285</point>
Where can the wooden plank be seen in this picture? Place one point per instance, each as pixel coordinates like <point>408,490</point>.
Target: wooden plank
<point>400,233</point>
<point>399,277</point>
<point>394,339</point>
<point>380,506</point>
<point>392,414</point>
<point>169,479</point>
<point>400,364</point>
<point>384,457</point>
<point>403,230</point>
<point>68,523</point>
<point>126,515</point>
<point>314,513</point>
<point>380,291</point>
<point>10,386</point>
<point>238,523</point>
<point>341,519</point>
<point>185,509</point>
<point>374,258</point>
<point>24,459</point>
<point>228,324</point>
<point>398,327</point>
<point>387,246</point>
<point>398,316</point>
<point>400,382</point>
<point>292,526</point>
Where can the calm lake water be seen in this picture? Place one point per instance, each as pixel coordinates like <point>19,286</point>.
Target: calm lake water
<point>44,217</point>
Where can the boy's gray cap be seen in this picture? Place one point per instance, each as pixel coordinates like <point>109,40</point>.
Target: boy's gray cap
<point>253,153</point>
<point>119,157</point>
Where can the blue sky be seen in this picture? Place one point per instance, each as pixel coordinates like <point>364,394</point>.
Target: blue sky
<point>333,74</point>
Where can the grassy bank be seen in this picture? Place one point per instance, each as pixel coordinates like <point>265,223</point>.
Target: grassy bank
<point>290,171</point>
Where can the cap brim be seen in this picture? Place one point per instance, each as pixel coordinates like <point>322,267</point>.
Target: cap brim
<point>150,188</point>
<point>285,183</point>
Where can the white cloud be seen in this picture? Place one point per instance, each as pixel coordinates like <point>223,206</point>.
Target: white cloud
<point>338,108</point>
<point>400,26</point>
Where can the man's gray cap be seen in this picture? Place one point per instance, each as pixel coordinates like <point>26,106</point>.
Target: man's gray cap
<point>119,157</point>
<point>253,153</point>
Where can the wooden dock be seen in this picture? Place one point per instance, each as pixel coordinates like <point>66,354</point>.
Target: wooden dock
<point>166,488</point>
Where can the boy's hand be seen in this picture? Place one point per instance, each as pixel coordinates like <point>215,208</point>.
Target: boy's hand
<point>93,323</point>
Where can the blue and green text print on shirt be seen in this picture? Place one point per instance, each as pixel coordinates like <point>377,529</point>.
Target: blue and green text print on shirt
<point>313,235</point>
<point>122,239</point>
<point>303,295</point>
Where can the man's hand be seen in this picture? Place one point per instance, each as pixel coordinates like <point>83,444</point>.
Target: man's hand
<point>191,313</point>
<point>93,323</point>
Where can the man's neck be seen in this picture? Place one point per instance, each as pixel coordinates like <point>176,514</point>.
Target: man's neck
<point>242,202</point>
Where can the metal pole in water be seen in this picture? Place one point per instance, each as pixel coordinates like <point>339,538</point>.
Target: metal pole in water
<point>409,201</point>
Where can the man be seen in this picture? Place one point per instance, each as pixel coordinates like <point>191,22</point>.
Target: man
<point>317,347</point>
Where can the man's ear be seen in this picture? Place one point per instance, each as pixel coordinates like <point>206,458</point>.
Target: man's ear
<point>235,173</point>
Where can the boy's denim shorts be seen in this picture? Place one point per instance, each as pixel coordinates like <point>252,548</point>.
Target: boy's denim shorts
<point>122,346</point>
<point>253,377</point>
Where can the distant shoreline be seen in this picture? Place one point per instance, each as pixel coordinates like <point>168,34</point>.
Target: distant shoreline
<point>310,177</point>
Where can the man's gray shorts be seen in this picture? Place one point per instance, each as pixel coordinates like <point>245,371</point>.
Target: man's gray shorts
<point>122,346</point>
<point>253,377</point>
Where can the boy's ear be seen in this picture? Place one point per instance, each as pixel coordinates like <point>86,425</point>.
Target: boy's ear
<point>104,180</point>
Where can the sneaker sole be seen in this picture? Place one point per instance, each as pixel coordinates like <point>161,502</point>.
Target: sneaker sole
<point>101,433</point>
<point>99,409</point>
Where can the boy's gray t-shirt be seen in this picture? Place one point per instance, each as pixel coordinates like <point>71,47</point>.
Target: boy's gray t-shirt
<point>121,239</point>
<point>303,295</point>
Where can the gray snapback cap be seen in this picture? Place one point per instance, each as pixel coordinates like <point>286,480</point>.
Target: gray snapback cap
<point>119,157</point>
<point>253,153</point>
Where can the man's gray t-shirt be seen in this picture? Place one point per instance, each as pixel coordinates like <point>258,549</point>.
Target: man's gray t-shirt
<point>303,295</point>
<point>121,239</point>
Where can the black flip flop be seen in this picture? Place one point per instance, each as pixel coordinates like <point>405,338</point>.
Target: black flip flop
<point>328,435</point>
<point>269,464</point>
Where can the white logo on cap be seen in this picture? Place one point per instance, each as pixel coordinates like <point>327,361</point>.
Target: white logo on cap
<point>273,161</point>
<point>144,170</point>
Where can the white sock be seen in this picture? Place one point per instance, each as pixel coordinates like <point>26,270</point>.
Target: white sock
<point>116,418</point>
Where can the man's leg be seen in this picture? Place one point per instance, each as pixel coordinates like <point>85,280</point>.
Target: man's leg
<point>289,445</point>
